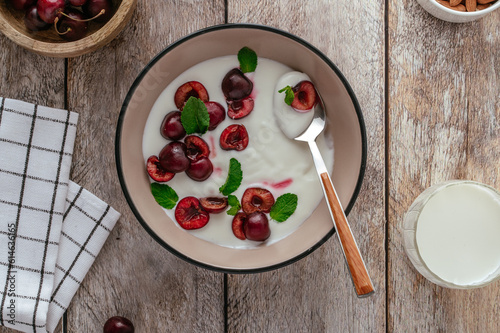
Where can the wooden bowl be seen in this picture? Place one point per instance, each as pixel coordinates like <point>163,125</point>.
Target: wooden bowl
<point>48,43</point>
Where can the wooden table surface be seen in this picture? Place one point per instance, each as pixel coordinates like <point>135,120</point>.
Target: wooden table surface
<point>429,92</point>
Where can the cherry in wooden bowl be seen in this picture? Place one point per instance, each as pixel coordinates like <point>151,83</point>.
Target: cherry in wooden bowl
<point>49,43</point>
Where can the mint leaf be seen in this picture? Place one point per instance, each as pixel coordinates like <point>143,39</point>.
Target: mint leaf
<point>234,178</point>
<point>284,207</point>
<point>194,116</point>
<point>289,95</point>
<point>234,203</point>
<point>164,195</point>
<point>248,60</point>
<point>232,211</point>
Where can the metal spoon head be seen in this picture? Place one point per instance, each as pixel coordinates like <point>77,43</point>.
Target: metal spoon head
<point>317,124</point>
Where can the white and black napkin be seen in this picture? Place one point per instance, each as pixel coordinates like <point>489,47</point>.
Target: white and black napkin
<point>51,229</point>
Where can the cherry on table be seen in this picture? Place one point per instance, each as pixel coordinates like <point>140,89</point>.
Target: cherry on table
<point>118,324</point>
<point>32,20</point>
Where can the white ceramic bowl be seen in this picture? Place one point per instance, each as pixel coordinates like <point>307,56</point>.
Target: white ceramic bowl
<point>450,15</point>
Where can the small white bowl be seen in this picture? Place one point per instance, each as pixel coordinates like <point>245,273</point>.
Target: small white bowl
<point>450,15</point>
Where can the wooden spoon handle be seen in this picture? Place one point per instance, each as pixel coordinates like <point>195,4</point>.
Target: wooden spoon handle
<point>359,274</point>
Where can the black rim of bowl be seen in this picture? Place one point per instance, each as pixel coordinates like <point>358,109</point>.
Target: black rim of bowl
<point>138,81</point>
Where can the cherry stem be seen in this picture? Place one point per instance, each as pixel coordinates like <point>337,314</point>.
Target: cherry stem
<point>86,20</point>
<point>55,27</point>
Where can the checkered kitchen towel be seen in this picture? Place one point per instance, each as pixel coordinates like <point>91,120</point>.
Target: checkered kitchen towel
<point>51,229</point>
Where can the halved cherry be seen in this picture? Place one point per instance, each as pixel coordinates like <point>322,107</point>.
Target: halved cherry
<point>190,215</point>
<point>305,96</point>
<point>256,199</point>
<point>156,172</point>
<point>216,113</point>
<point>196,147</point>
<point>238,225</point>
<point>234,137</point>
<point>188,89</point>
<point>239,109</point>
<point>214,204</point>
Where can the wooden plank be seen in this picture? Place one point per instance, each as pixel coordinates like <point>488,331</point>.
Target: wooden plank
<point>316,294</point>
<point>134,276</point>
<point>32,78</point>
<point>444,111</point>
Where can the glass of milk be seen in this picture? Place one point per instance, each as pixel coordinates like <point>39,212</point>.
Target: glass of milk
<point>452,234</point>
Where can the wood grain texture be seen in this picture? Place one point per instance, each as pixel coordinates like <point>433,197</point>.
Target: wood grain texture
<point>134,276</point>
<point>444,124</point>
<point>32,78</point>
<point>316,294</point>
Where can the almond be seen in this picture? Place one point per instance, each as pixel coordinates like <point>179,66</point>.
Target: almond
<point>483,6</point>
<point>460,8</point>
<point>471,5</point>
<point>444,3</point>
<point>466,5</point>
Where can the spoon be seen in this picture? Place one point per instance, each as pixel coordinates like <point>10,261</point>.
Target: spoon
<point>359,274</point>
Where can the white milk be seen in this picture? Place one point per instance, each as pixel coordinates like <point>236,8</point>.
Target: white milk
<point>457,234</point>
<point>269,158</point>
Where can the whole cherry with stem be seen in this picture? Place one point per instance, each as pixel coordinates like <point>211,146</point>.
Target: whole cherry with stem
<point>49,10</point>
<point>74,24</point>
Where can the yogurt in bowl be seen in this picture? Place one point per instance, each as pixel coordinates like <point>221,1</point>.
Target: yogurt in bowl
<point>345,126</point>
<point>271,161</point>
